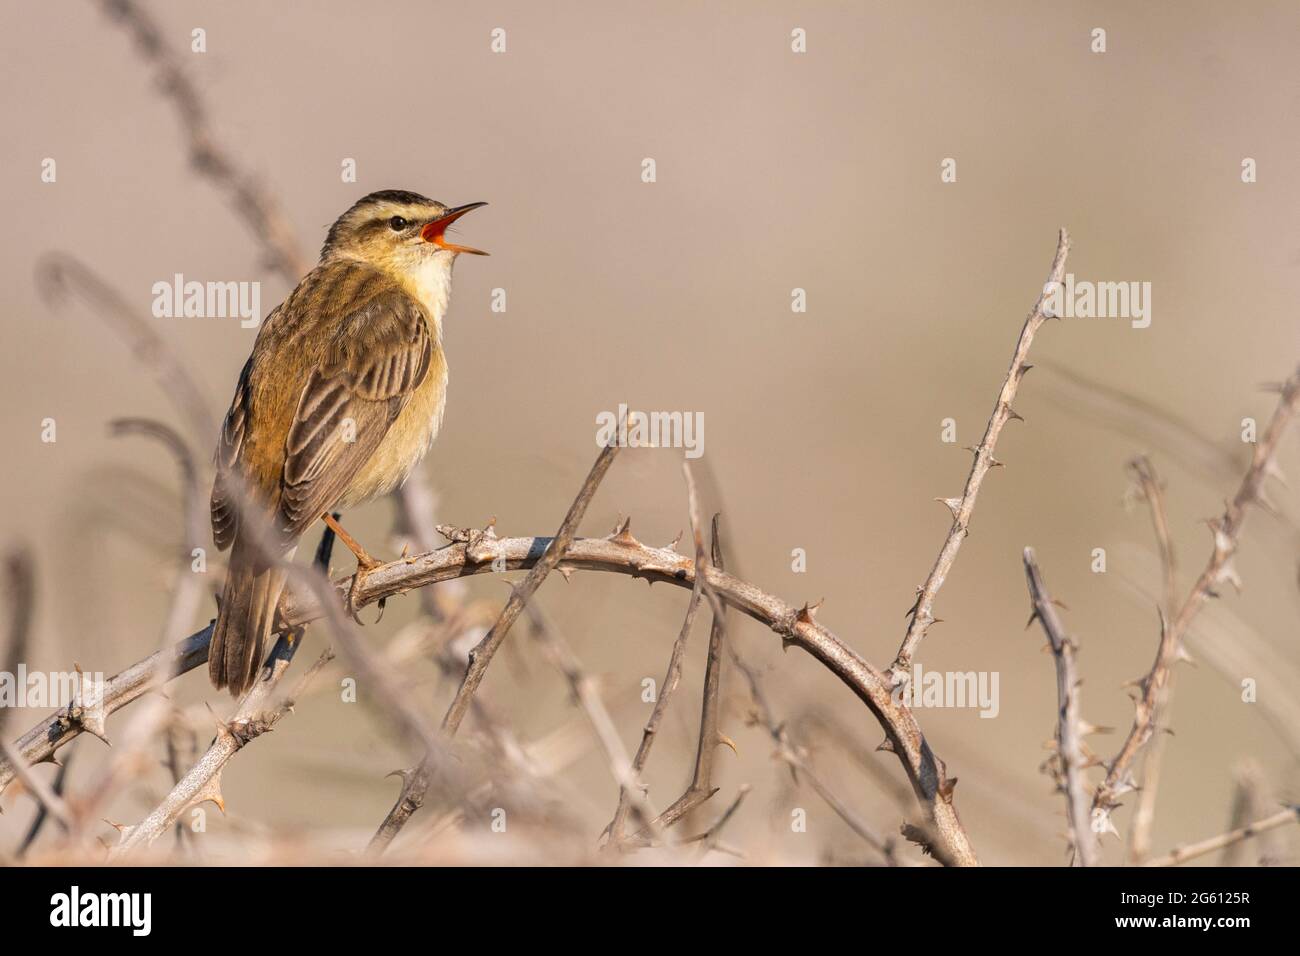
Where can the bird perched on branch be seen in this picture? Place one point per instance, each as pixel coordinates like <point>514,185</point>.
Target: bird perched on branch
<point>340,399</point>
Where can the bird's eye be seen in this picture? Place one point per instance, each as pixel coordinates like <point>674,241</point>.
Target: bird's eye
<point>397,224</point>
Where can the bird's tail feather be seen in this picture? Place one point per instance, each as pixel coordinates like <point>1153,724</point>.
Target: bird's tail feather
<point>244,621</point>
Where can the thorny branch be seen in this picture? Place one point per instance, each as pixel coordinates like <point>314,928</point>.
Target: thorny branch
<point>255,716</point>
<point>794,757</point>
<point>1151,489</point>
<point>415,783</point>
<point>587,697</point>
<point>701,786</point>
<point>1072,756</point>
<point>673,676</point>
<point>1193,850</point>
<point>1218,570</point>
<point>472,553</point>
<point>21,585</point>
<point>922,611</point>
<point>253,203</point>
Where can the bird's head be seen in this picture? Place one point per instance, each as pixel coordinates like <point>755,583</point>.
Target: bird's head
<point>397,230</point>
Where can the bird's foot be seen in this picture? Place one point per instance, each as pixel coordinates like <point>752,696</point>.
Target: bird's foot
<point>366,563</point>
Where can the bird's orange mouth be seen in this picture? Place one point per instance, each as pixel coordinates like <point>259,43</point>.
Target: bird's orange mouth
<point>435,231</point>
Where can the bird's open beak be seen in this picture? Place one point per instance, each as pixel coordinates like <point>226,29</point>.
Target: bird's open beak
<point>435,231</point>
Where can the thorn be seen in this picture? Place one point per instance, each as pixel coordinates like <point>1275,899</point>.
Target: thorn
<point>672,545</point>
<point>806,613</point>
<point>623,534</point>
<point>727,742</point>
<point>1033,616</point>
<point>93,724</point>
<point>210,792</point>
<point>564,570</point>
<point>947,787</point>
<point>124,832</point>
<point>1271,469</point>
<point>1102,823</point>
<point>1087,729</point>
<point>887,746</point>
<point>406,776</point>
<point>915,604</point>
<point>1182,655</point>
<point>1024,367</point>
<point>994,463</point>
<point>1060,604</point>
<point>1229,573</point>
<point>953,504</point>
<point>1012,413</point>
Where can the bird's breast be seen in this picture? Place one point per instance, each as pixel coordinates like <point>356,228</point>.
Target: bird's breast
<point>407,439</point>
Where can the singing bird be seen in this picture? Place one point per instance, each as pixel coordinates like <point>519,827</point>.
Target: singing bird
<point>340,399</point>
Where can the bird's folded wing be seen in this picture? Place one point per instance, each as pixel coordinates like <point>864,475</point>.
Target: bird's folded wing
<point>378,357</point>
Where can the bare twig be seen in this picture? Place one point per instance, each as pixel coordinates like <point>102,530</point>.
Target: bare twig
<point>673,676</point>
<point>43,814</point>
<point>416,783</point>
<point>795,757</point>
<point>1218,570</point>
<point>701,786</point>
<point>1151,489</point>
<point>21,574</point>
<point>60,274</point>
<point>709,838</point>
<point>186,598</point>
<point>1191,851</point>
<point>481,656</point>
<point>1250,800</point>
<point>587,697</point>
<point>797,626</point>
<point>256,715</point>
<point>922,611</point>
<point>1071,757</point>
<point>254,204</point>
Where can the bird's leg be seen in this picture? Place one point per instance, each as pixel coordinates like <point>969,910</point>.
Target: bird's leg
<point>365,564</point>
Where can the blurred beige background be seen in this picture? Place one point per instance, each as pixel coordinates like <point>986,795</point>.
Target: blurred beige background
<point>775,171</point>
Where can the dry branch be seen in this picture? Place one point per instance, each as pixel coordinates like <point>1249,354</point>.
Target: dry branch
<point>256,715</point>
<point>701,786</point>
<point>1071,758</point>
<point>1191,851</point>
<point>415,783</point>
<point>673,676</point>
<point>796,626</point>
<point>922,611</point>
<point>253,203</point>
<point>587,697</point>
<point>1151,489</point>
<point>1218,571</point>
